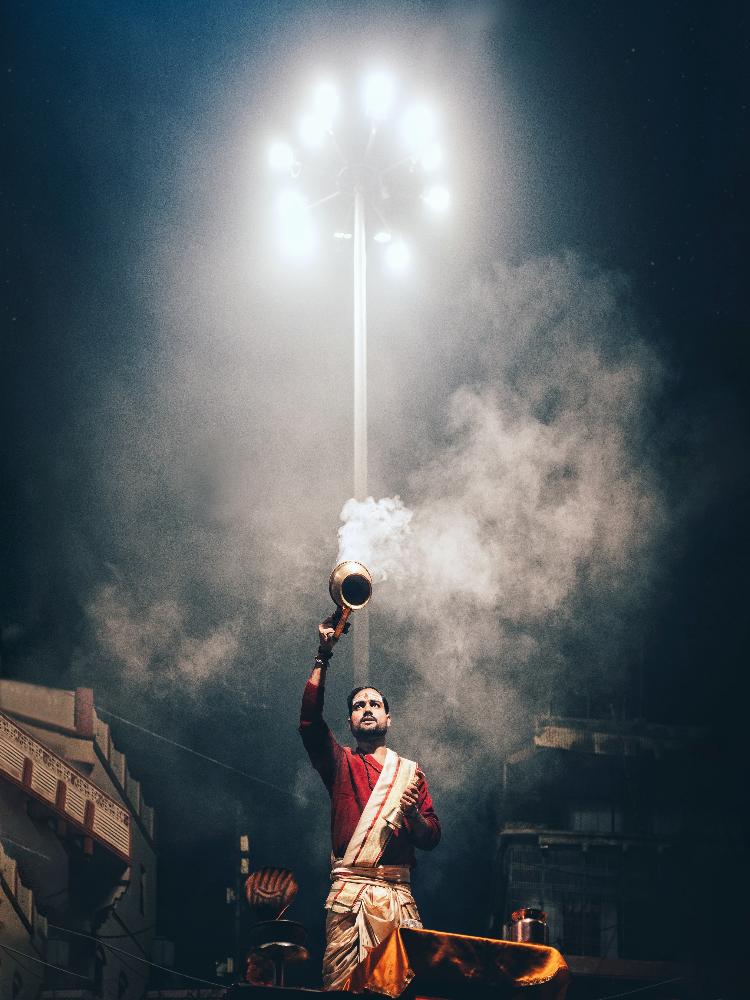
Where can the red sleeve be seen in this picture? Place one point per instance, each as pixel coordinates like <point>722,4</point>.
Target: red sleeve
<point>429,839</point>
<point>320,743</point>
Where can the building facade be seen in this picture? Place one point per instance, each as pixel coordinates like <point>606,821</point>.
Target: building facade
<point>597,827</point>
<point>77,853</point>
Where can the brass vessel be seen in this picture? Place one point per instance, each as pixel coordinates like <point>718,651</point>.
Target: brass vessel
<point>350,587</point>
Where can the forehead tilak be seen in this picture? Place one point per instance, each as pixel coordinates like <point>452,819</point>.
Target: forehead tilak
<point>368,694</point>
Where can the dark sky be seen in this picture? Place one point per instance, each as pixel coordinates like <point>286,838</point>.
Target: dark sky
<point>175,406</point>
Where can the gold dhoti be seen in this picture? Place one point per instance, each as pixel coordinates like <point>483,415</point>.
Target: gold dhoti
<point>364,906</point>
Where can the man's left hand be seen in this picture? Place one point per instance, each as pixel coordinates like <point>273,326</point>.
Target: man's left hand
<point>410,798</point>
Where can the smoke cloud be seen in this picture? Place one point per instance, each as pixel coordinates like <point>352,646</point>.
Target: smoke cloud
<point>376,533</point>
<point>540,514</point>
<point>159,634</point>
<point>512,560</point>
<point>527,533</point>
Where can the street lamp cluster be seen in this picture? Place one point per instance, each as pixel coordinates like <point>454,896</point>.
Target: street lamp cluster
<point>358,171</point>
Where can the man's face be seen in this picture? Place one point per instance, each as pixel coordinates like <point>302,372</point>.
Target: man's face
<point>368,719</point>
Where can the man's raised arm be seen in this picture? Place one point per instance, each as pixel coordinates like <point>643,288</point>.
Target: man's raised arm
<point>318,739</point>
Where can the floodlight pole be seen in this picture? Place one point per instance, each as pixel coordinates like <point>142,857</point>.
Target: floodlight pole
<point>362,627</point>
<point>360,348</point>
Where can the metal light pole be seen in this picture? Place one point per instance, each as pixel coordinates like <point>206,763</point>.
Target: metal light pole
<point>360,347</point>
<point>365,183</point>
<point>362,631</point>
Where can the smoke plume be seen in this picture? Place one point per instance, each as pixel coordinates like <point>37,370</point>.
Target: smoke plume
<point>538,517</point>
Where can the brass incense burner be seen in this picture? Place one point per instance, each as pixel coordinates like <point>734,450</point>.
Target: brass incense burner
<point>350,587</point>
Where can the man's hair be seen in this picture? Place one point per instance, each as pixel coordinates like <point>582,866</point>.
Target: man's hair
<point>366,687</point>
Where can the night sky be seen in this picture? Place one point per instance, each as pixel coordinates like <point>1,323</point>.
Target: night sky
<point>176,400</point>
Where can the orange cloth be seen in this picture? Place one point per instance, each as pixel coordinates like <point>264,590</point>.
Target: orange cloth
<point>445,964</point>
<point>362,913</point>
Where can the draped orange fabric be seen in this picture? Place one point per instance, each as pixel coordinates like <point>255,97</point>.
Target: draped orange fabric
<point>446,965</point>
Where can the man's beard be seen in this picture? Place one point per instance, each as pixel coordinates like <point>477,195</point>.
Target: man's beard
<point>370,732</point>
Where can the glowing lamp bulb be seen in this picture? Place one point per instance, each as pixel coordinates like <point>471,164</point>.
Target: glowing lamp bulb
<point>382,236</point>
<point>379,91</point>
<point>437,198</point>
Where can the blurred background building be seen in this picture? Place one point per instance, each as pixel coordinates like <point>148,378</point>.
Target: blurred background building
<point>77,854</point>
<point>602,826</point>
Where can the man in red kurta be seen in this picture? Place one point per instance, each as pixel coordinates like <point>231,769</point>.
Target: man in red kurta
<point>380,811</point>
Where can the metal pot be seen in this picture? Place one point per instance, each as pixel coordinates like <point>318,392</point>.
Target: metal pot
<point>528,926</point>
<point>350,585</point>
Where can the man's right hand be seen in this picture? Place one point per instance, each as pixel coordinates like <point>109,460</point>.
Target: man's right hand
<point>325,633</point>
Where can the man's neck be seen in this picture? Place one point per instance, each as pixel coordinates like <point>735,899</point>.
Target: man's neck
<point>376,748</point>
